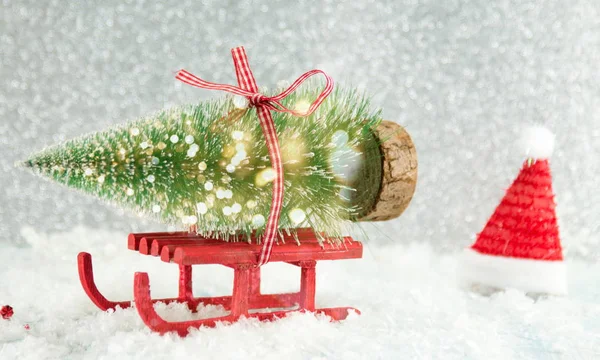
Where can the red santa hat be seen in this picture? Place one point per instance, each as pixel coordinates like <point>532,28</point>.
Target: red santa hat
<point>519,246</point>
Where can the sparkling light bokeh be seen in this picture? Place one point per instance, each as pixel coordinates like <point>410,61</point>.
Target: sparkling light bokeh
<point>462,76</point>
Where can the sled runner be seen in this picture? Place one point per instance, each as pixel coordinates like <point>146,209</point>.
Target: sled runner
<point>187,249</point>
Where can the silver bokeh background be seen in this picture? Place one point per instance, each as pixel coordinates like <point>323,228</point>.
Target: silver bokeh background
<point>462,76</point>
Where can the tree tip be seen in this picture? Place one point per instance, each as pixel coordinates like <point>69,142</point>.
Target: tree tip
<point>24,164</point>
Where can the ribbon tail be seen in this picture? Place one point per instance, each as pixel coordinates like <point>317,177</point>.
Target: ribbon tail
<point>271,229</point>
<point>242,70</point>
<point>246,81</point>
<point>191,79</point>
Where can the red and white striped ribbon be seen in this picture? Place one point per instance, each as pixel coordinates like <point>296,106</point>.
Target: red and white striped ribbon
<point>264,105</point>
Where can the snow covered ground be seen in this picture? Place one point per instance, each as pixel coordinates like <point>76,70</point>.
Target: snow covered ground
<point>411,309</point>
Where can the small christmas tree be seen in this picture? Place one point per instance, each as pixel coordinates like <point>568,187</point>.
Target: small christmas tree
<point>207,164</point>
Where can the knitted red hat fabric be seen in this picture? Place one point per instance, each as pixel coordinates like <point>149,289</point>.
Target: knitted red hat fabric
<point>519,246</point>
<point>524,224</point>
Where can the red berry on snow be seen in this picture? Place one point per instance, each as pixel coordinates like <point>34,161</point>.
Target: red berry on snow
<point>6,312</point>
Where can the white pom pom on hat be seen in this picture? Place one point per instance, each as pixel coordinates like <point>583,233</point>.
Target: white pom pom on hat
<point>537,142</point>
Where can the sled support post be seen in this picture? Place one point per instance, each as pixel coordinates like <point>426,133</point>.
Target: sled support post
<point>308,284</point>
<point>241,288</point>
<point>185,285</point>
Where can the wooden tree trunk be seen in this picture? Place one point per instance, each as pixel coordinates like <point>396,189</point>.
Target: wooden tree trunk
<point>399,178</point>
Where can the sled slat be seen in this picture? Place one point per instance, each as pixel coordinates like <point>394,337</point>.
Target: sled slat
<point>143,247</point>
<point>154,243</point>
<point>159,244</point>
<point>167,251</point>
<point>133,240</point>
<point>236,253</point>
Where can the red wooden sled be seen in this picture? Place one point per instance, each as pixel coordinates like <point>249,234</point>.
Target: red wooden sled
<point>187,249</point>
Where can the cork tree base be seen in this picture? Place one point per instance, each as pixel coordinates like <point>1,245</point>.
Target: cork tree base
<point>399,180</point>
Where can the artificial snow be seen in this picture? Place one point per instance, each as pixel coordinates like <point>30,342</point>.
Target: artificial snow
<point>411,308</point>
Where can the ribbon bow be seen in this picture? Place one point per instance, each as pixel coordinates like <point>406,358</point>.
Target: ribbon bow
<point>264,105</point>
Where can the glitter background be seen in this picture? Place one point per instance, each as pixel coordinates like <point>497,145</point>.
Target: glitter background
<point>462,76</point>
